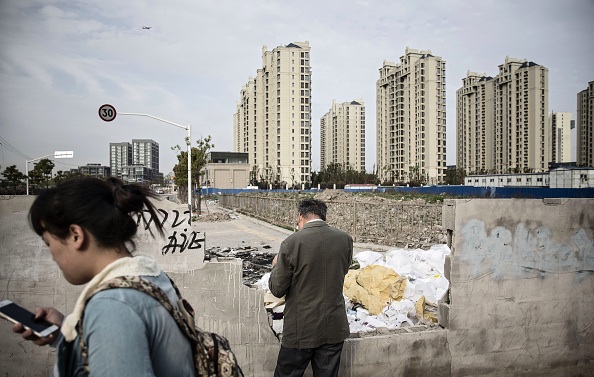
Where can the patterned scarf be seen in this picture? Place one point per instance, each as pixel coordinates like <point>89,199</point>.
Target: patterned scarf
<point>140,265</point>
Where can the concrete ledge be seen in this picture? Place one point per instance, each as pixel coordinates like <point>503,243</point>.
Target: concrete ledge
<point>447,267</point>
<point>443,314</point>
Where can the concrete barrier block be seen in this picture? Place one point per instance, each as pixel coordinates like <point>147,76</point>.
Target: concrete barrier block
<point>448,218</point>
<point>443,314</point>
<point>447,267</point>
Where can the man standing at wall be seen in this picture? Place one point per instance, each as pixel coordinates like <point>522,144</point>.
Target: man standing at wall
<point>309,270</point>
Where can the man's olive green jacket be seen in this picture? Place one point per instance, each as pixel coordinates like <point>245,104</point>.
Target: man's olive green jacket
<point>310,272</point>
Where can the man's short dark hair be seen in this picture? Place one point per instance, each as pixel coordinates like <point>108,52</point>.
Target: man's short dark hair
<point>309,207</point>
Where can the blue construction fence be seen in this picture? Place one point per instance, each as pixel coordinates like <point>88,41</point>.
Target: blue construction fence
<point>217,191</point>
<point>451,191</point>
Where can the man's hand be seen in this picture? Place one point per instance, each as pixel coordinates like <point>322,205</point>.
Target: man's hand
<point>274,260</point>
<point>49,314</point>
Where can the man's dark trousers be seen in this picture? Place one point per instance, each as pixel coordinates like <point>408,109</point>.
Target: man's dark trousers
<point>325,361</point>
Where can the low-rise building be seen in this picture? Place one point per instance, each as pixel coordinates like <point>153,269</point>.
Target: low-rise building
<point>95,170</point>
<point>508,180</point>
<point>227,170</point>
<point>572,177</point>
<point>563,177</point>
<point>138,173</point>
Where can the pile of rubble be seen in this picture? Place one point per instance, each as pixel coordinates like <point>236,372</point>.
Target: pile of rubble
<point>214,217</point>
<point>392,291</point>
<point>255,263</point>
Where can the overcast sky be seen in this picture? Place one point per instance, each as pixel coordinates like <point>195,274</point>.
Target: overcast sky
<point>61,60</point>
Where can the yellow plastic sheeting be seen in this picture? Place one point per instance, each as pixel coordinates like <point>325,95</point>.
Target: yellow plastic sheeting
<point>426,310</point>
<point>270,301</point>
<point>374,287</point>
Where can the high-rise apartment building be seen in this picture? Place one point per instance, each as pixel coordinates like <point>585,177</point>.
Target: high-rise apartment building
<point>411,118</point>
<point>342,135</point>
<point>475,108</point>
<point>120,155</point>
<point>502,122</point>
<point>146,153</point>
<point>585,126</point>
<point>560,137</point>
<point>135,162</point>
<point>272,121</point>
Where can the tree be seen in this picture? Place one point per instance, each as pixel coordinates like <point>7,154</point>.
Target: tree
<point>416,178</point>
<point>387,174</point>
<point>341,175</point>
<point>42,172</point>
<point>254,176</point>
<point>14,176</point>
<point>198,163</point>
<point>455,176</point>
<point>66,175</point>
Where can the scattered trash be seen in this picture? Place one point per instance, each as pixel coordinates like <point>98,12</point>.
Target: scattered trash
<point>255,263</point>
<point>214,217</point>
<point>392,290</point>
<point>374,286</point>
<point>395,290</point>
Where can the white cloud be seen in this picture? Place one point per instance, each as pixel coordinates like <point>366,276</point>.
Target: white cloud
<point>62,59</point>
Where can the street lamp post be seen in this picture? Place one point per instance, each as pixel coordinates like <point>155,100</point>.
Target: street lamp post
<point>188,144</point>
<point>56,154</point>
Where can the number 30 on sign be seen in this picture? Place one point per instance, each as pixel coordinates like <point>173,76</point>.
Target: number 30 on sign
<point>107,113</point>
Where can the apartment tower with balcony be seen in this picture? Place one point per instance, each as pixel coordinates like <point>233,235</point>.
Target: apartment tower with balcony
<point>560,123</point>
<point>585,126</point>
<point>120,155</point>
<point>411,118</point>
<point>342,135</point>
<point>475,107</point>
<point>502,123</point>
<point>272,121</point>
<point>135,162</point>
<point>145,152</point>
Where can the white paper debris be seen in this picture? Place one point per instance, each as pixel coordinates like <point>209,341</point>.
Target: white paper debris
<point>424,271</point>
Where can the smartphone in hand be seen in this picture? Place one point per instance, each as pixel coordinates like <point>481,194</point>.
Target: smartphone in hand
<point>17,314</point>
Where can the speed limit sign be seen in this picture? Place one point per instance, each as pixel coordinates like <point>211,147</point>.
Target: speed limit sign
<point>107,113</point>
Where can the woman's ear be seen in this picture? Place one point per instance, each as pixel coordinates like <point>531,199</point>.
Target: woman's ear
<point>77,236</point>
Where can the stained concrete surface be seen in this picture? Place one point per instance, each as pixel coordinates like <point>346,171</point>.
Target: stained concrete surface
<point>29,277</point>
<point>520,303</point>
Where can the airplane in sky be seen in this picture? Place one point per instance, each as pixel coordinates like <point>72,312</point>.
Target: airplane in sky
<point>147,27</point>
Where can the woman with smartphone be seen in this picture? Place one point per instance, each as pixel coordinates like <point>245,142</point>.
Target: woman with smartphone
<point>89,225</point>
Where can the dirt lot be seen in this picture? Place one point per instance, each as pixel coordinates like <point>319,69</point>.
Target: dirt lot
<point>383,219</point>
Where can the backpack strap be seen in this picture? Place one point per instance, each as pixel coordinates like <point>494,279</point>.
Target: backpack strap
<point>182,320</point>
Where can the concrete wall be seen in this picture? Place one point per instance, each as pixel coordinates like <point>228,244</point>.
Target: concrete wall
<point>520,304</point>
<point>522,287</point>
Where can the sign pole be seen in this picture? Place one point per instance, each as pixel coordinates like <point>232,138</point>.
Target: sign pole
<point>189,145</point>
<point>108,113</point>
<point>56,154</point>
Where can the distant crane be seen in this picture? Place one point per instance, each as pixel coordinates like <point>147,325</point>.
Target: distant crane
<point>147,27</point>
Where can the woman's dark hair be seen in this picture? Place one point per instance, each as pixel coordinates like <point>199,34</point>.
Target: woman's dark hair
<point>104,208</point>
<point>314,207</point>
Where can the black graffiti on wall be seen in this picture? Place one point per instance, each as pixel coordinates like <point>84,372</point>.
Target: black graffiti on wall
<point>187,241</point>
<point>180,240</point>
